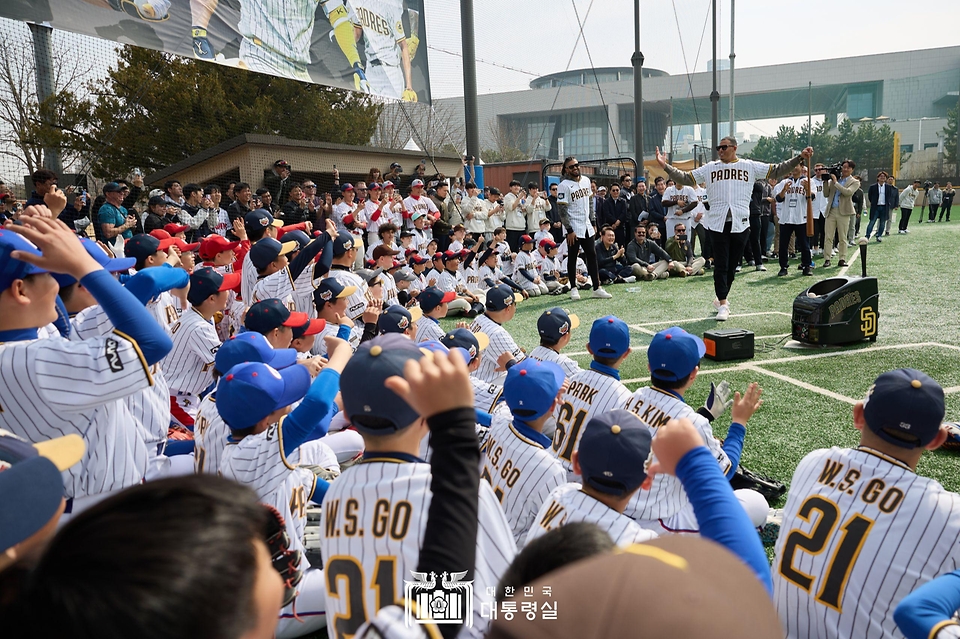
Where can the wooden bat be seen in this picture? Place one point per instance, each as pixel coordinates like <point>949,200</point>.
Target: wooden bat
<point>809,199</point>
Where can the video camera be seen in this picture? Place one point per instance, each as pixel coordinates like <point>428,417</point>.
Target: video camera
<point>927,185</point>
<point>834,170</point>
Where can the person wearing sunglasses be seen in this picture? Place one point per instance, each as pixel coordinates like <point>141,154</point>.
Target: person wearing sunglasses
<point>573,199</point>
<point>729,184</point>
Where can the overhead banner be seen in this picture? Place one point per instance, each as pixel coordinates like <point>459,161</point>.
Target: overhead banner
<point>374,46</point>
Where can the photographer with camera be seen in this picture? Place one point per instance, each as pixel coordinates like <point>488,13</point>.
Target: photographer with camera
<point>838,191</point>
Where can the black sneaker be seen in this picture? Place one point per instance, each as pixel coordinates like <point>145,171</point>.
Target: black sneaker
<point>782,272</point>
<point>808,271</point>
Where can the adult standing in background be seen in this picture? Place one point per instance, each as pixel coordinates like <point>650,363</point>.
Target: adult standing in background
<point>881,196</point>
<point>613,212</point>
<point>947,201</point>
<point>279,182</point>
<point>556,227</point>
<point>934,198</point>
<point>839,196</point>
<point>907,199</point>
<point>574,197</point>
<point>638,206</point>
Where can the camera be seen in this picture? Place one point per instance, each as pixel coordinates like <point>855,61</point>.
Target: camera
<point>834,170</point>
<point>927,185</point>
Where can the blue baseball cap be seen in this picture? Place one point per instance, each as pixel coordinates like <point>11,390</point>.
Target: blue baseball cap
<point>674,353</point>
<point>472,343</point>
<point>609,337</point>
<point>344,242</point>
<point>905,407</point>
<point>251,391</point>
<point>613,451</point>
<point>206,281</point>
<point>555,322</point>
<point>436,346</point>
<point>531,387</point>
<point>260,218</point>
<point>142,246</point>
<point>267,250</point>
<point>362,384</point>
<point>331,289</point>
<point>432,297</point>
<point>500,297</point>
<point>266,315</point>
<point>253,347</point>
<point>397,319</point>
<point>109,264</point>
<point>11,269</point>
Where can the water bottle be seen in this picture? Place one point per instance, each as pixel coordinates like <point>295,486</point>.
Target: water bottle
<point>633,289</point>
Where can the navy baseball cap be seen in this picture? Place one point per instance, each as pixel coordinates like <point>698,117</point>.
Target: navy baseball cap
<point>613,451</point>
<point>416,258</point>
<point>206,281</point>
<point>674,353</point>
<point>142,246</point>
<point>251,391</point>
<point>362,384</point>
<point>397,319</point>
<point>531,387</point>
<point>344,242</point>
<point>609,337</point>
<point>451,255</point>
<point>473,343</point>
<point>260,218</point>
<point>267,250</point>
<point>526,239</point>
<point>301,238</point>
<point>555,322</point>
<point>500,297</point>
<point>115,187</point>
<point>331,289</point>
<point>266,315</point>
<point>905,407</point>
<point>252,347</point>
<point>432,297</point>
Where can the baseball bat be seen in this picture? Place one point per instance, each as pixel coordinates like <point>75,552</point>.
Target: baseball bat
<point>809,200</point>
<point>863,256</point>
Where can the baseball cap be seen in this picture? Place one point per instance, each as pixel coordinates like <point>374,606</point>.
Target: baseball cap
<point>251,391</point>
<point>387,184</point>
<point>404,274</point>
<point>417,215</point>
<point>451,255</point>
<point>609,337</point>
<point>310,327</point>
<point>156,200</point>
<point>115,187</point>
<point>362,386</point>
<point>267,250</point>
<point>526,239</point>
<point>383,250</point>
<point>436,346</point>
<point>252,347</point>
<point>397,319</point>
<point>487,254</point>
<point>142,246</point>
<point>214,244</point>
<point>555,322</point>
<point>301,238</point>
<point>432,297</point>
<point>109,264</point>
<point>473,343</point>
<point>160,193</point>
<point>373,186</point>
<point>634,593</point>
<point>417,182</point>
<point>173,229</point>
<point>346,187</point>
<point>281,163</point>
<point>500,297</point>
<point>674,353</point>
<point>161,234</point>
<point>206,281</point>
<point>266,315</point>
<point>416,258</point>
<point>31,486</point>
<point>904,407</point>
<point>344,242</point>
<point>531,387</point>
<point>370,275</point>
<point>396,165</point>
<point>260,218</point>
<point>613,450</point>
<point>330,289</point>
<point>547,243</point>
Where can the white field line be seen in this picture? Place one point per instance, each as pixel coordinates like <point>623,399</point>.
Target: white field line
<point>700,319</point>
<point>802,384</point>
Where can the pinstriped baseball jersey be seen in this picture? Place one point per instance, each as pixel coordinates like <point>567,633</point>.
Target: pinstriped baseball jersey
<point>389,290</point>
<point>382,24</point>
<point>485,395</point>
<point>684,195</point>
<point>860,531</point>
<point>471,275</point>
<point>282,27</point>
<point>487,273</point>
<point>590,393</point>
<point>666,497</point>
<point>53,387</point>
<point>164,309</point>
<point>577,196</point>
<point>357,302</point>
<point>793,209</point>
<point>544,354</point>
<point>248,279</point>
<point>374,517</point>
<point>210,435</point>
<point>500,342</point>
<point>525,263</point>
<point>729,187</point>
<point>303,288</point>
<point>452,281</point>
<point>521,471</point>
<point>189,365</point>
<point>320,346</point>
<point>278,285</point>
<point>568,504</point>
<point>429,329</point>
<point>819,201</point>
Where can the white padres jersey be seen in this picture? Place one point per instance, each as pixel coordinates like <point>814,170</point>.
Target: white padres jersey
<point>248,279</point>
<point>793,209</point>
<point>525,263</point>
<point>819,201</point>
<point>452,281</point>
<point>701,206</point>
<point>283,482</point>
<point>729,187</point>
<point>544,354</point>
<point>210,435</point>
<point>284,28</point>
<point>189,364</point>
<point>675,215</point>
<point>577,197</point>
<point>390,290</point>
<point>52,387</point>
<point>568,504</point>
<point>357,302</point>
<point>860,532</point>
<point>487,275</point>
<point>521,471</point>
<point>320,346</point>
<point>486,396</point>
<point>374,517</point>
<point>591,393</point>
<point>164,309</point>
<point>428,329</point>
<point>500,342</point>
<point>413,205</point>
<point>666,496</point>
<point>382,24</point>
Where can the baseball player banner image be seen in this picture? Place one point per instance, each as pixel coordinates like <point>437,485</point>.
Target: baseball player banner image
<point>373,46</point>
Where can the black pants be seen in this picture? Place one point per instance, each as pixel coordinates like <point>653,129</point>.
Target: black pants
<point>933,211</point>
<point>904,218</point>
<point>764,229</point>
<point>727,250</point>
<point>706,251</point>
<point>819,226</point>
<point>513,239</point>
<point>752,250</point>
<point>800,230</point>
<point>588,244</point>
<point>945,209</point>
<point>614,272</point>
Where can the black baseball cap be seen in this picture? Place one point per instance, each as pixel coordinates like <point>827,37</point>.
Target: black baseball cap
<point>142,246</point>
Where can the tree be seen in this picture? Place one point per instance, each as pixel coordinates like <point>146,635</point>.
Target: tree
<point>155,109</point>
<point>508,141</point>
<point>426,124</point>
<point>950,137</point>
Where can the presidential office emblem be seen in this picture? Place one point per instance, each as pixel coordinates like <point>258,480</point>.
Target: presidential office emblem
<point>449,601</point>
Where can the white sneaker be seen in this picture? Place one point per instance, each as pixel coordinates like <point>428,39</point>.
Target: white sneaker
<point>630,279</point>
<point>761,268</point>
<point>574,294</point>
<point>716,304</point>
<point>601,294</point>
<point>724,313</point>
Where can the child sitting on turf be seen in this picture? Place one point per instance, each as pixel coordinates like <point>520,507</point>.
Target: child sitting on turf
<point>433,303</point>
<point>556,326</point>
<point>501,307</point>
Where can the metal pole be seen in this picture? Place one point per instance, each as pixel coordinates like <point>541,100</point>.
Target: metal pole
<point>956,167</point>
<point>920,136</point>
<point>637,60</point>
<point>715,95</point>
<point>671,129</point>
<point>43,60</point>
<point>471,112</point>
<point>733,122</point>
<point>810,114</point>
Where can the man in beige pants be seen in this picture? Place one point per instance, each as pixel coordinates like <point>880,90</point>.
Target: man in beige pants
<point>839,195</point>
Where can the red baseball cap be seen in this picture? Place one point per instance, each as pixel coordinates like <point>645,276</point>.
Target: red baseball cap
<point>548,243</point>
<point>310,327</point>
<point>347,219</point>
<point>173,229</point>
<point>212,245</point>
<point>526,239</point>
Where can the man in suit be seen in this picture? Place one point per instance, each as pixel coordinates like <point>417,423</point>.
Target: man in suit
<point>638,206</point>
<point>882,197</point>
<point>839,196</point>
<point>613,212</point>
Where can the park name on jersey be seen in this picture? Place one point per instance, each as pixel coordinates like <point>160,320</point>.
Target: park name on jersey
<point>388,518</point>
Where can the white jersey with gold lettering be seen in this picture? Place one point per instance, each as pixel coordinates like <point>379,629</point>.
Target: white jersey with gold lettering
<point>729,186</point>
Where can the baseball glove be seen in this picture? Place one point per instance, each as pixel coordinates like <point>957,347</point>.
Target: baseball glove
<point>953,436</point>
<point>409,95</point>
<point>285,561</point>
<point>770,488</point>
<point>327,474</point>
<point>413,43</point>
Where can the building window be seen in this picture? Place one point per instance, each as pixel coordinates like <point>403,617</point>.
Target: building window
<point>584,133</point>
<point>930,145</point>
<point>906,148</point>
<point>860,105</point>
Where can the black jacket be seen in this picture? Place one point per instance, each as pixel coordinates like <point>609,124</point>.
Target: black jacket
<point>891,196</point>
<point>614,210</point>
<point>293,213</point>
<point>605,257</point>
<point>641,253</point>
<point>279,188</point>
<point>655,209</point>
